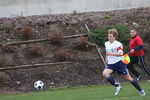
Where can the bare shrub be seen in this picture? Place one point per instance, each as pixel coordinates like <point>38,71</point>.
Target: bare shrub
<point>36,50</point>
<point>56,39</point>
<point>81,43</point>
<point>27,32</point>
<point>4,78</point>
<point>61,55</point>
<point>7,48</point>
<point>5,60</point>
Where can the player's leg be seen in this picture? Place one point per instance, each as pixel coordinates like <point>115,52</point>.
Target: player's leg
<point>107,75</point>
<point>121,68</point>
<point>134,83</point>
<point>143,65</point>
<point>133,60</point>
<point>110,79</point>
<point>124,71</point>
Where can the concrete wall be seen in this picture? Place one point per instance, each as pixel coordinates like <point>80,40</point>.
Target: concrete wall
<point>13,8</point>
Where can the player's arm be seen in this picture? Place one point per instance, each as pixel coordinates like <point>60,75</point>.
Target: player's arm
<point>139,46</point>
<point>118,53</point>
<point>106,59</point>
<point>114,54</point>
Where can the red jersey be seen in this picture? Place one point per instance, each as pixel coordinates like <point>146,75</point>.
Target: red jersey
<point>135,41</point>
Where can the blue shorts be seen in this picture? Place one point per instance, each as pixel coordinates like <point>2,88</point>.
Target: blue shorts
<point>119,67</point>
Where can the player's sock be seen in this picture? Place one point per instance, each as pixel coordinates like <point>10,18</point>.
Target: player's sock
<point>136,85</point>
<point>111,80</point>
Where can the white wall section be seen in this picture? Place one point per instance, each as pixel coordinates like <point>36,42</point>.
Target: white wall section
<point>13,8</point>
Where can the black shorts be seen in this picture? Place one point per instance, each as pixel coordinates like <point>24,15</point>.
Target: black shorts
<point>119,67</point>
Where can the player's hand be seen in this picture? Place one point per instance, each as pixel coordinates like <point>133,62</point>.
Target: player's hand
<point>131,51</point>
<point>109,53</point>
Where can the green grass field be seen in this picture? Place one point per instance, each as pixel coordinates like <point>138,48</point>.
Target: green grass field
<point>85,93</point>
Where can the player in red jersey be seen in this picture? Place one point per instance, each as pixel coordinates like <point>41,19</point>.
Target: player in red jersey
<point>136,54</point>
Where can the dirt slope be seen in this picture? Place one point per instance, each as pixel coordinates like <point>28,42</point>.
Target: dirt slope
<point>86,67</point>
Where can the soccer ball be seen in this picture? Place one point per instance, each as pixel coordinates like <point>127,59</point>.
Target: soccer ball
<point>39,85</point>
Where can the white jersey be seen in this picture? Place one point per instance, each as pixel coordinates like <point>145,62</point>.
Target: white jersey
<point>113,47</point>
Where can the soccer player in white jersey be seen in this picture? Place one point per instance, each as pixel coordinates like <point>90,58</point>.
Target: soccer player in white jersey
<point>114,52</point>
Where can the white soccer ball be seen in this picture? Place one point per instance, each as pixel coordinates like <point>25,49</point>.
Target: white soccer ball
<point>39,85</point>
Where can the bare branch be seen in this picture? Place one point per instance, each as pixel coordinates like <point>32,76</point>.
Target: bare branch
<point>34,65</point>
